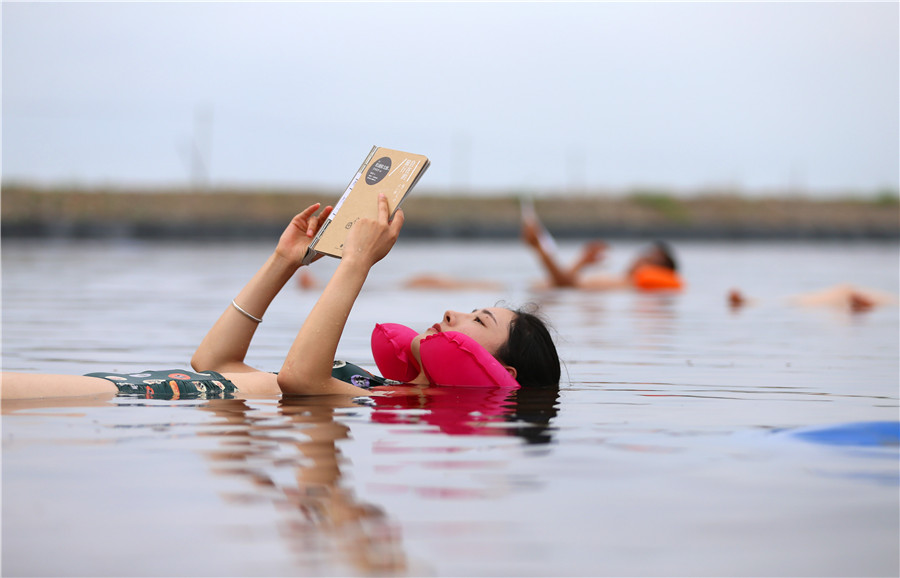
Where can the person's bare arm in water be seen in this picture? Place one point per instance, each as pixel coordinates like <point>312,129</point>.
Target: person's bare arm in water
<point>559,276</point>
<point>225,346</point>
<point>307,368</point>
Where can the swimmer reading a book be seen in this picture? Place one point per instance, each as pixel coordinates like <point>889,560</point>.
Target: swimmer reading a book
<point>489,347</point>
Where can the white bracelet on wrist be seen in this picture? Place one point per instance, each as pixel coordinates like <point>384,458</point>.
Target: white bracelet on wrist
<point>247,315</point>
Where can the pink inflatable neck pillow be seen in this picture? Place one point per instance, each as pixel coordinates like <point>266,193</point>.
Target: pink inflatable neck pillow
<point>449,358</point>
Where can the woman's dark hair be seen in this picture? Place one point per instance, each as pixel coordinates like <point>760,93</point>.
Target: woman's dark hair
<point>665,255</point>
<point>531,350</point>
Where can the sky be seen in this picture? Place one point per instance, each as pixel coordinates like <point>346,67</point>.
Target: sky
<point>557,97</point>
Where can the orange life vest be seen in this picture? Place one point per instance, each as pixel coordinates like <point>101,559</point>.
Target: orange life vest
<point>655,278</point>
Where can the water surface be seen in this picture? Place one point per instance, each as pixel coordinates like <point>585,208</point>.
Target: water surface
<point>674,446</point>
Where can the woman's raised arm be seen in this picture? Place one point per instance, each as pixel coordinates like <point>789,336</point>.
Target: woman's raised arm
<point>307,368</point>
<point>558,276</point>
<point>225,346</point>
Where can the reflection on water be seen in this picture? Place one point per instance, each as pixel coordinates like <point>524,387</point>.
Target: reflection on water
<point>295,464</point>
<point>525,413</point>
<point>678,444</point>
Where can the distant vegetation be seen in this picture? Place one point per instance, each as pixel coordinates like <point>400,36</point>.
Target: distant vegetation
<point>887,198</point>
<point>186,213</point>
<point>671,207</point>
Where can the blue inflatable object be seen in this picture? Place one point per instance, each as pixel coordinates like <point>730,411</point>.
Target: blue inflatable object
<point>871,433</point>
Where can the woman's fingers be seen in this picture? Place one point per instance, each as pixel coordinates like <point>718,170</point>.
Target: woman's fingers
<point>384,211</point>
<point>321,218</point>
<point>302,218</point>
<point>384,216</point>
<point>311,221</point>
<point>371,239</point>
<point>295,239</point>
<point>310,210</point>
<point>397,222</point>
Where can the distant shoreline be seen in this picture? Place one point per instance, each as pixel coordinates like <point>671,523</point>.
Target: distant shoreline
<point>248,214</point>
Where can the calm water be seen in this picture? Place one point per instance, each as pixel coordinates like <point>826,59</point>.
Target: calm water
<point>672,447</point>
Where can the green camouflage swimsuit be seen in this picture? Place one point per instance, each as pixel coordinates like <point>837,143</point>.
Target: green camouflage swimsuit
<point>182,384</point>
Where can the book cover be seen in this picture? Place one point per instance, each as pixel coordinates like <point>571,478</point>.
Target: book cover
<point>387,171</point>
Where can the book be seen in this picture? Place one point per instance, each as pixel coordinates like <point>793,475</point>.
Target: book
<point>387,171</point>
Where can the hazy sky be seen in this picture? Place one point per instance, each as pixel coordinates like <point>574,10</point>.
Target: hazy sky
<point>524,96</point>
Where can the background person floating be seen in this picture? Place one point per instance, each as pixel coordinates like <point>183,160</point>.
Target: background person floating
<point>845,296</point>
<point>654,269</point>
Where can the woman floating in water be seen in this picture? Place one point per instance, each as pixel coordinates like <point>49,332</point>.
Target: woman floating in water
<point>654,269</point>
<point>494,345</point>
<point>845,296</point>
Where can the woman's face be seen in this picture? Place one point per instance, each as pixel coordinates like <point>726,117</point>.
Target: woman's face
<point>489,327</point>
